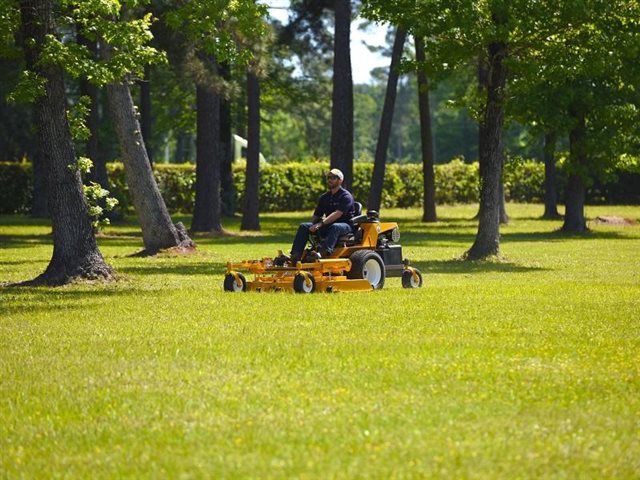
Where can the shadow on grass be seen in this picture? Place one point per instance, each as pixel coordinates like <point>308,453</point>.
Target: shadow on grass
<point>16,299</point>
<point>558,236</point>
<point>459,267</point>
<point>208,268</point>
<point>24,241</point>
<point>467,238</point>
<point>24,262</point>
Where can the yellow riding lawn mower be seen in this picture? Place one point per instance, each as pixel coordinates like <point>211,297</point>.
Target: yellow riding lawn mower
<point>361,261</point>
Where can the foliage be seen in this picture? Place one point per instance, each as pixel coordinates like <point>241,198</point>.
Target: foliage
<point>296,93</point>
<point>97,197</point>
<point>562,58</point>
<point>460,379</point>
<point>77,116</point>
<point>524,180</point>
<point>587,68</point>
<point>98,200</point>
<point>9,23</point>
<point>220,27</point>
<point>127,38</point>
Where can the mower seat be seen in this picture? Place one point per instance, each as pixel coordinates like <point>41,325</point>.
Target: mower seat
<point>355,236</point>
<point>350,239</point>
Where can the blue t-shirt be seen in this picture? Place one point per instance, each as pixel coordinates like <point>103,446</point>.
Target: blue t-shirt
<point>341,200</point>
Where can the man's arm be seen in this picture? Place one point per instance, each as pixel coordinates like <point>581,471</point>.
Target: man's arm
<point>333,217</point>
<point>317,225</point>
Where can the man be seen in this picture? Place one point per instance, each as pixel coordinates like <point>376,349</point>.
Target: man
<point>331,219</point>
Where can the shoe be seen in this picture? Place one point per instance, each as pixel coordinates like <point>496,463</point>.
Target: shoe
<point>281,260</point>
<point>312,256</point>
<point>294,258</point>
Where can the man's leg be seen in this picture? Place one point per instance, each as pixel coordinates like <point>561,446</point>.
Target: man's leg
<point>300,241</point>
<point>330,236</point>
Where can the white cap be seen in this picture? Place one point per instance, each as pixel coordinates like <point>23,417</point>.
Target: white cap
<point>337,173</point>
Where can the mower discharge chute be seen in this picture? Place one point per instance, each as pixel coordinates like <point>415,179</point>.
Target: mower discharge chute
<point>360,262</point>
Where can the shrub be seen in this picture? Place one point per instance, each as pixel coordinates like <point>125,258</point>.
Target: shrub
<point>15,187</point>
<point>457,182</point>
<point>523,180</point>
<point>296,185</point>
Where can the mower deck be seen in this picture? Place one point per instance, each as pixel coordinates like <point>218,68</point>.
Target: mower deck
<point>320,276</point>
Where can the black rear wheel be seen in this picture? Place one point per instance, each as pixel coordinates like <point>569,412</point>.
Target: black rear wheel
<point>368,265</point>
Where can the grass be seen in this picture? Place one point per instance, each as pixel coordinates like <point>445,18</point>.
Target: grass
<point>524,368</point>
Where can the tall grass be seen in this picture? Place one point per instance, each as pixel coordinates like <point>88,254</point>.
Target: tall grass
<point>524,368</point>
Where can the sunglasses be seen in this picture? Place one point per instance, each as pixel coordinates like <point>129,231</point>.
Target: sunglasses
<point>332,177</point>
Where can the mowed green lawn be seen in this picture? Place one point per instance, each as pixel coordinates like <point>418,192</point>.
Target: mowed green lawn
<point>526,368</point>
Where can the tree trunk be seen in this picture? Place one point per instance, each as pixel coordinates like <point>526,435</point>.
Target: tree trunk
<point>487,242</point>
<point>158,232</point>
<point>550,192</point>
<point>251,211</point>
<point>146,118</point>
<point>207,209</point>
<point>574,202</point>
<point>226,154</point>
<point>75,252</point>
<point>40,193</point>
<point>375,194</point>
<point>342,97</point>
<point>426,138</point>
<point>483,83</point>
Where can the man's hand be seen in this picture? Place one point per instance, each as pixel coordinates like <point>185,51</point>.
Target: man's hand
<point>315,227</point>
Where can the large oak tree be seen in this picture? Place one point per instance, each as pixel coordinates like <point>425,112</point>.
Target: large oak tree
<point>75,252</point>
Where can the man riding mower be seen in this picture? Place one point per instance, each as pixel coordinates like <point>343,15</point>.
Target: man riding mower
<point>360,261</point>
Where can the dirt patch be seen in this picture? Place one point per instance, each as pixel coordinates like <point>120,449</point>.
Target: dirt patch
<point>613,220</point>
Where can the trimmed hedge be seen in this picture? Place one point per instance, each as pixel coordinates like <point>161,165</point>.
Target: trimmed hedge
<point>16,185</point>
<point>296,186</point>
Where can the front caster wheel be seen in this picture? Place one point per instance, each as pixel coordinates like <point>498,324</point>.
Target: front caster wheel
<point>304,283</point>
<point>233,284</point>
<point>411,278</point>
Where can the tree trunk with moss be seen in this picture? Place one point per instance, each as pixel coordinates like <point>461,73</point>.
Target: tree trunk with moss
<point>75,251</point>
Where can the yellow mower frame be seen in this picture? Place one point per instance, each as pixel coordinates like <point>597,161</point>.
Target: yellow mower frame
<point>360,262</point>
